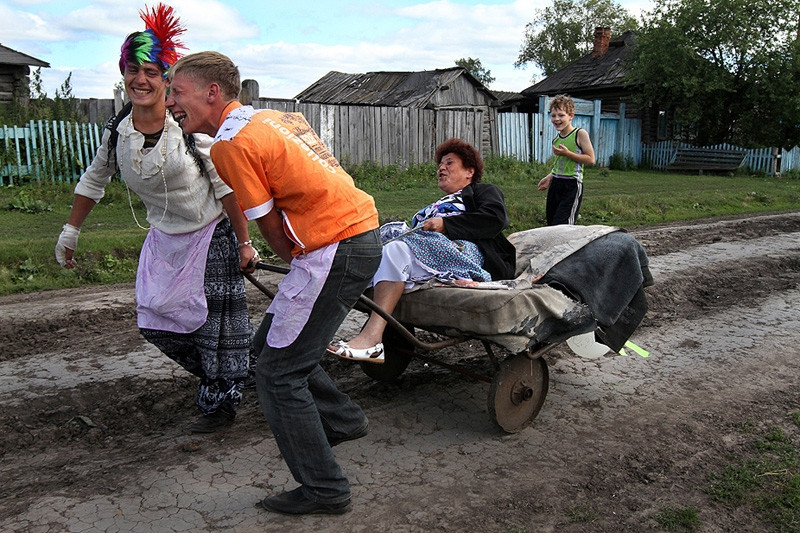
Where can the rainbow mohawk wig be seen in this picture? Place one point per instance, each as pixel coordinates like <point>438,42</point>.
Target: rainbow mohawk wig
<point>157,44</point>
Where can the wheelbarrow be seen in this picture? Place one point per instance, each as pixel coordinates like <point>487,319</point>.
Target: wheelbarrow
<point>516,322</point>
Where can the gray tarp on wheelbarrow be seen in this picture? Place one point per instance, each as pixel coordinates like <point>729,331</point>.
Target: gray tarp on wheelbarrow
<point>570,280</point>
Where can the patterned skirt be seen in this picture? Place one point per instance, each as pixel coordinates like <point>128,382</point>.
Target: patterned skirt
<point>443,258</point>
<point>219,352</point>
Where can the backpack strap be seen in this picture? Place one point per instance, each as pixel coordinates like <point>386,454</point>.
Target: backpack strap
<point>112,125</point>
<point>115,121</point>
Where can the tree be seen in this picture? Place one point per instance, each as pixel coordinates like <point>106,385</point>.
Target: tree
<point>36,86</point>
<point>474,67</point>
<point>727,70</point>
<point>64,102</point>
<point>564,32</point>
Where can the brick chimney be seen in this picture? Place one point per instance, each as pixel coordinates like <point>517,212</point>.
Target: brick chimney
<point>601,38</point>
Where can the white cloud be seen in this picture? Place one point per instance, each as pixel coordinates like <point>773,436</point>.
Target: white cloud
<point>439,33</point>
<point>22,26</point>
<point>213,21</point>
<point>415,37</point>
<point>96,82</point>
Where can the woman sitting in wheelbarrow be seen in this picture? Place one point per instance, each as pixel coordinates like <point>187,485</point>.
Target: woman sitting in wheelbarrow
<point>460,236</point>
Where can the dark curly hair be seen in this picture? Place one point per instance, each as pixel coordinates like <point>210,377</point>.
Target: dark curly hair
<point>470,157</point>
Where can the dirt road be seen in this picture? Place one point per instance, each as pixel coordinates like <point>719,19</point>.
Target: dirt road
<point>94,419</point>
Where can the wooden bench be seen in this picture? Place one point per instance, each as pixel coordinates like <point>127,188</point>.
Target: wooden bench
<point>700,159</point>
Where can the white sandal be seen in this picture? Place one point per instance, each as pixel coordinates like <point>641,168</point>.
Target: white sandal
<point>367,355</point>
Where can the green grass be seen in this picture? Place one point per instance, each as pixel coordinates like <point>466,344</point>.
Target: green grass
<point>686,519</point>
<point>618,198</point>
<point>765,478</point>
<point>32,215</point>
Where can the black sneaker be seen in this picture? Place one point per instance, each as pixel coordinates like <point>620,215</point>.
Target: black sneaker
<point>363,431</point>
<point>213,421</point>
<point>295,502</point>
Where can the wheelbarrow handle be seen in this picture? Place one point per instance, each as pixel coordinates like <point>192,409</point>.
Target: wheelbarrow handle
<point>261,265</point>
<point>367,302</point>
<point>260,286</point>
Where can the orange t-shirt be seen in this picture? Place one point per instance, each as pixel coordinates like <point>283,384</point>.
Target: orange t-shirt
<point>275,160</point>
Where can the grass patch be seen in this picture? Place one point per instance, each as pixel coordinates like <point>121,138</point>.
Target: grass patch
<point>32,214</point>
<point>670,519</point>
<point>582,514</point>
<point>765,480</point>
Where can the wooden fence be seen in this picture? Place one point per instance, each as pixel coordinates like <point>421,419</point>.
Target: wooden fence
<point>54,150</point>
<point>529,136</point>
<point>387,135</point>
<point>767,160</point>
<point>60,151</point>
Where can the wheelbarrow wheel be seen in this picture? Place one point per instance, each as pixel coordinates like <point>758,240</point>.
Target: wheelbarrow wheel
<point>518,391</point>
<point>397,352</point>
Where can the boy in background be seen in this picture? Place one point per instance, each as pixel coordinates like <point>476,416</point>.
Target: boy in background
<point>573,150</point>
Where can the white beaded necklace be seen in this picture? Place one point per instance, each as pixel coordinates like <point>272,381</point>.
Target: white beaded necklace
<point>163,176</point>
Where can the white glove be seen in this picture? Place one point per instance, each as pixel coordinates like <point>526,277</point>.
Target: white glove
<point>67,239</point>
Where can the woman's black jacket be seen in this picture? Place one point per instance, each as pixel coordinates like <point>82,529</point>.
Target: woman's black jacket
<point>483,223</point>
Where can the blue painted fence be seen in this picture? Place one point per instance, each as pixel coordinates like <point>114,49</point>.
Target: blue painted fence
<point>55,150</point>
<point>661,154</point>
<point>529,137</point>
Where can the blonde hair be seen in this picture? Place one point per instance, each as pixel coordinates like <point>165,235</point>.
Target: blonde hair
<point>564,103</point>
<point>210,67</point>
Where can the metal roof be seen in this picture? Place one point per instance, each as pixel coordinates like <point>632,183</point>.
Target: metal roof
<point>391,89</point>
<point>12,57</point>
<point>605,72</point>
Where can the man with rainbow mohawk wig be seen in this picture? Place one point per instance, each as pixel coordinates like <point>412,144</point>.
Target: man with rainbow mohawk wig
<point>190,294</point>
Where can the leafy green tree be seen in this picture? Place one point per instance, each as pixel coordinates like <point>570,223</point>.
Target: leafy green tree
<point>564,32</point>
<point>474,67</point>
<point>726,70</point>
<point>40,105</point>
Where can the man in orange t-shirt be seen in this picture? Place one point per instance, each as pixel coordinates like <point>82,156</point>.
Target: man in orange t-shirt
<point>314,217</point>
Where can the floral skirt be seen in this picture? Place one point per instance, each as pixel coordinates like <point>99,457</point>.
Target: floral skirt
<point>220,351</point>
<point>441,257</point>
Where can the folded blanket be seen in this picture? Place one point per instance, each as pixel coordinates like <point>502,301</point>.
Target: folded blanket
<point>608,275</point>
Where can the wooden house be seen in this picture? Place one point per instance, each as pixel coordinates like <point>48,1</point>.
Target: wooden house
<point>513,102</point>
<point>438,90</point>
<point>14,72</point>
<point>600,75</point>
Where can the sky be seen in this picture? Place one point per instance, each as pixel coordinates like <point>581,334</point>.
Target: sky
<point>284,45</point>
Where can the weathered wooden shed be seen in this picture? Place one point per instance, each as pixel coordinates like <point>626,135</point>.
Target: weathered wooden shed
<point>513,102</point>
<point>14,72</point>
<point>442,89</point>
<point>600,75</point>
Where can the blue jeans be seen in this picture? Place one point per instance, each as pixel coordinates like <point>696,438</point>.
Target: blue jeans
<point>299,400</point>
